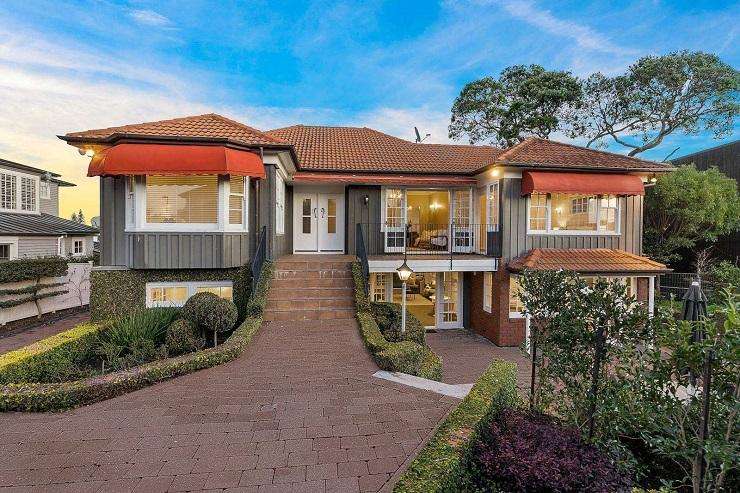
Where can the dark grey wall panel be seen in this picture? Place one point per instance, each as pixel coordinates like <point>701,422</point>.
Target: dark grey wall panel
<point>112,221</point>
<point>516,241</point>
<point>357,211</point>
<point>187,250</point>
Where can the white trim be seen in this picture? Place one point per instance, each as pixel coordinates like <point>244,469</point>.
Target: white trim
<point>13,242</point>
<point>74,241</point>
<point>488,300</point>
<point>651,295</point>
<point>19,176</point>
<point>279,202</point>
<point>190,285</point>
<point>487,264</point>
<point>580,232</point>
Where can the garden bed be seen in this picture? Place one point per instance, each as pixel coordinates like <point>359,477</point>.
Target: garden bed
<point>62,371</point>
<point>392,351</point>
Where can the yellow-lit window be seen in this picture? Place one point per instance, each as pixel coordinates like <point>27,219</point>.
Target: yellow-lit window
<point>487,291</point>
<point>182,199</point>
<point>515,304</point>
<point>168,295</point>
<point>538,212</point>
<point>225,292</point>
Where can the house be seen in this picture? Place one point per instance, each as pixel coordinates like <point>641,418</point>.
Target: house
<point>726,158</point>
<point>30,225</point>
<point>194,194</point>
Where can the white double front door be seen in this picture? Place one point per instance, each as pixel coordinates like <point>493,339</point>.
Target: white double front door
<point>318,222</point>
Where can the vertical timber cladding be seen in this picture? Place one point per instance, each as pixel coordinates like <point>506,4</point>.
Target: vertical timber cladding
<point>516,241</point>
<point>188,250</point>
<point>113,221</point>
<point>357,212</point>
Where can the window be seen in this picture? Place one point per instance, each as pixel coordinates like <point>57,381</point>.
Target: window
<point>493,207</point>
<point>182,199</point>
<point>130,202</point>
<point>177,293</point>
<point>515,304</point>
<point>8,191</point>
<point>45,189</point>
<point>279,204</point>
<point>573,213</point>
<point>28,194</point>
<point>4,252</point>
<point>378,286</point>
<point>237,200</point>
<point>395,219</point>
<point>487,291</point>
<point>78,247</point>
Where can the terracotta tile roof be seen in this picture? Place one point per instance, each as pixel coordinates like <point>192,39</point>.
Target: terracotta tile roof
<point>200,127</point>
<point>596,260</point>
<point>365,149</point>
<point>537,152</point>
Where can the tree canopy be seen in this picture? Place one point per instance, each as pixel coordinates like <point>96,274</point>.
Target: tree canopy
<point>525,101</point>
<point>687,206</point>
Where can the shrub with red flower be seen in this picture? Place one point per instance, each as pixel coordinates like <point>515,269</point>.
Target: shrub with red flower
<point>526,452</point>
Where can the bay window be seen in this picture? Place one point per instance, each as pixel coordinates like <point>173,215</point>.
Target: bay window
<point>573,213</point>
<point>236,200</point>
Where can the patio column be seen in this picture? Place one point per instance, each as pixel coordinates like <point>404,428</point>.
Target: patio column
<point>651,295</point>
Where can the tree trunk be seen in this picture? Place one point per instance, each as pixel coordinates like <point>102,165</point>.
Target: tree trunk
<point>215,338</point>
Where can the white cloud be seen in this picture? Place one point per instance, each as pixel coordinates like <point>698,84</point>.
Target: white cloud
<point>149,18</point>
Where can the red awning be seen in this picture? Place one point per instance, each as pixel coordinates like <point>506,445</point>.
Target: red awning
<point>383,179</point>
<point>172,159</point>
<point>588,183</point>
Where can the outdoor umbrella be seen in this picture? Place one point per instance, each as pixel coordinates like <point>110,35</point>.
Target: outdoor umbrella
<point>694,306</point>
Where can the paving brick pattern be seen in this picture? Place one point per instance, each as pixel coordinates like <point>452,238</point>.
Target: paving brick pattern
<point>298,411</point>
<point>23,336</point>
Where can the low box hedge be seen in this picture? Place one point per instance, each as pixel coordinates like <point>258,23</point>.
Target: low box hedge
<point>410,355</point>
<point>437,467</point>
<point>28,269</point>
<point>28,396</point>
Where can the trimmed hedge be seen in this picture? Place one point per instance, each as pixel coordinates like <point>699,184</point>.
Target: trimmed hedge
<point>388,316</point>
<point>437,467</point>
<point>53,397</point>
<point>27,269</point>
<point>406,356</point>
<point>114,292</point>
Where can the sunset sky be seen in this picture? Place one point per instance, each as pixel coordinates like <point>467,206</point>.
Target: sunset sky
<point>73,65</point>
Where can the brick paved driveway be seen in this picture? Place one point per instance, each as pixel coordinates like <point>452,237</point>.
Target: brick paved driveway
<point>11,339</point>
<point>298,411</point>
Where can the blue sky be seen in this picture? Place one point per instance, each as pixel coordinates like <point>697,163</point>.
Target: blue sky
<point>71,65</point>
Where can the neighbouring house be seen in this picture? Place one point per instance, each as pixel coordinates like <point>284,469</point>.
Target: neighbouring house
<point>726,158</point>
<point>30,225</point>
<point>194,194</point>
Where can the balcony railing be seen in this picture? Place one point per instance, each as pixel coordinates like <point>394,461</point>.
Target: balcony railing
<point>431,239</point>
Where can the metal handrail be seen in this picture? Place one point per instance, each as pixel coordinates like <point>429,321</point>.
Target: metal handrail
<point>260,254</point>
<point>361,253</point>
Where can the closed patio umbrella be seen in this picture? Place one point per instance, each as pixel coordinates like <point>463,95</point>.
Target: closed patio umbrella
<point>694,306</point>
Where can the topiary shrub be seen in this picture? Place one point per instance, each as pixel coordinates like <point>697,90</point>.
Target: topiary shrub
<point>182,338</point>
<point>404,356</point>
<point>516,450</point>
<point>208,312</point>
<point>26,269</point>
<point>389,318</point>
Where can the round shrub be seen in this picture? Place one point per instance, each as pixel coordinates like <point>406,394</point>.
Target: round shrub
<point>208,312</point>
<point>528,452</point>
<point>389,317</point>
<point>182,338</point>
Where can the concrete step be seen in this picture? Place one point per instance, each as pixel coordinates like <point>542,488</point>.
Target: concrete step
<point>312,274</point>
<point>314,283</point>
<point>312,265</point>
<point>288,305</point>
<point>310,314</point>
<point>299,292</point>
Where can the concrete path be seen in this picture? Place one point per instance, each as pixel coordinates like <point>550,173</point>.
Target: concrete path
<point>298,411</point>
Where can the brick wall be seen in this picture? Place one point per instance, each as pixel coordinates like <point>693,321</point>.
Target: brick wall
<point>495,326</point>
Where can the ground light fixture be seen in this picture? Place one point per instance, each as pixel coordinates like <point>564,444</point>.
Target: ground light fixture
<point>404,272</point>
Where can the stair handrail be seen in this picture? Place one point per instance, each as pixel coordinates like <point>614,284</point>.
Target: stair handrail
<point>259,256</point>
<point>361,253</point>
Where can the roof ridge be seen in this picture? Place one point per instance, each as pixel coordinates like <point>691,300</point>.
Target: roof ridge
<point>510,150</point>
<point>243,125</point>
<point>609,153</point>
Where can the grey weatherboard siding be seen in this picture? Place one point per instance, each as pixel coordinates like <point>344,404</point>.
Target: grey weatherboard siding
<point>357,212</point>
<point>163,250</point>
<point>516,241</point>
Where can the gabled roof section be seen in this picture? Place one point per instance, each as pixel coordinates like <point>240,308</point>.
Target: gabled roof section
<point>41,225</point>
<point>585,260</point>
<point>30,169</point>
<point>200,127</point>
<point>537,152</point>
<point>322,148</point>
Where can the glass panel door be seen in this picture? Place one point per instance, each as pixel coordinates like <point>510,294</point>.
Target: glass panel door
<point>305,223</point>
<point>448,300</point>
<point>462,233</point>
<point>395,220</point>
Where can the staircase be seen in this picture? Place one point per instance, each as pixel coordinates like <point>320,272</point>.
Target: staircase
<point>311,287</point>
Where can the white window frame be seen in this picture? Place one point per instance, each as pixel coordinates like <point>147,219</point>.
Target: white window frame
<point>74,245</point>
<point>18,199</point>
<point>279,203</point>
<point>45,189</point>
<point>244,226</point>
<point>579,232</point>
<point>190,285</point>
<point>492,212</point>
<point>488,292</point>
<point>513,314</point>
<point>12,241</point>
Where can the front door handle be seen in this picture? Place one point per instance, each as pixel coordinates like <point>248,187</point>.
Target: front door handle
<point>322,213</point>
<point>315,215</point>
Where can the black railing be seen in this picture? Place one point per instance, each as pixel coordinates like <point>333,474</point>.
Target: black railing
<point>260,254</point>
<point>430,239</point>
<point>361,253</point>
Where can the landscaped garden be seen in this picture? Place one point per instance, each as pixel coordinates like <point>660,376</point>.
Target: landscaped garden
<point>96,361</point>
<point>391,348</point>
<point>621,400</point>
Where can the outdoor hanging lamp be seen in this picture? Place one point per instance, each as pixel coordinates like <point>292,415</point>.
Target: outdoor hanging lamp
<point>404,272</point>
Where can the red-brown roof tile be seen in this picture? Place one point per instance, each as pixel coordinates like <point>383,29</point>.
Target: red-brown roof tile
<point>201,127</point>
<point>595,260</point>
<point>365,149</point>
<point>536,152</point>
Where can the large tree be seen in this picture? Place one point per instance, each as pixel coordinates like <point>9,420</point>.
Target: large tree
<point>524,101</point>
<point>687,92</point>
<point>687,206</point>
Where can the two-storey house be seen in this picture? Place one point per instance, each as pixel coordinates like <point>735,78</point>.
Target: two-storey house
<point>30,225</point>
<point>194,194</point>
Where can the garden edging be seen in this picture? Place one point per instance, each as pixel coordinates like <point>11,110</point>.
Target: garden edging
<point>65,395</point>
